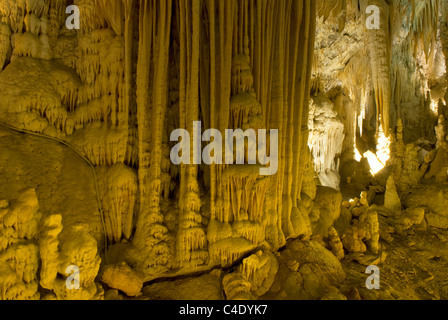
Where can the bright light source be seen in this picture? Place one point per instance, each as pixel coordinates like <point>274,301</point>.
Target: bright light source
<point>383,147</point>
<point>378,161</point>
<point>358,155</point>
<point>375,164</point>
<point>434,107</point>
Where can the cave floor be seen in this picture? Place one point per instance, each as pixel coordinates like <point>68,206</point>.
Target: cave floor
<point>415,265</point>
<point>415,268</point>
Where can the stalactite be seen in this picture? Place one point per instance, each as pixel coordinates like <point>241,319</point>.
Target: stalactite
<point>425,18</point>
<point>303,35</point>
<point>269,84</point>
<point>241,64</point>
<point>326,134</point>
<point>216,111</point>
<point>380,50</point>
<point>5,43</point>
<point>48,248</point>
<point>112,12</point>
<point>143,101</point>
<point>191,238</point>
<point>222,83</point>
<point>118,188</point>
<point>127,93</point>
<point>151,99</point>
<point>330,8</point>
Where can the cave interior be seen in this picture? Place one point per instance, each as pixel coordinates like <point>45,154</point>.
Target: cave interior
<point>314,148</point>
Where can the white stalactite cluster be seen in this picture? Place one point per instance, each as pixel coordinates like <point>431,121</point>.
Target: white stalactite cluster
<point>326,134</point>
<point>394,73</point>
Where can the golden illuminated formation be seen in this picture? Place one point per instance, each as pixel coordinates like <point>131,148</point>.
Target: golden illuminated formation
<point>223,149</point>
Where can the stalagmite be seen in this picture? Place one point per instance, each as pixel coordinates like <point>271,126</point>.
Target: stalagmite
<point>369,220</point>
<point>236,287</point>
<point>336,244</point>
<point>440,132</point>
<point>19,255</point>
<point>410,174</point>
<point>122,277</point>
<point>391,199</point>
<point>49,253</point>
<point>79,249</point>
<point>260,270</point>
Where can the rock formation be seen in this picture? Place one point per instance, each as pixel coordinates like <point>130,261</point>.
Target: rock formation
<point>347,106</point>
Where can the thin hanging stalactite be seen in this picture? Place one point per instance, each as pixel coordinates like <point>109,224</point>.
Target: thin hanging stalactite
<point>152,85</point>
<point>191,240</point>
<point>143,74</point>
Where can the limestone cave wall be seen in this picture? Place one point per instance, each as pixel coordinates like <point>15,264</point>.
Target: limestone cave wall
<point>87,116</point>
